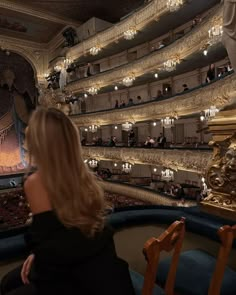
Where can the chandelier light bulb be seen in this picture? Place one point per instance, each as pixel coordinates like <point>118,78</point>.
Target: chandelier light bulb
<point>85,95</point>
<point>205,52</point>
<point>116,88</point>
<point>116,127</point>
<point>154,124</point>
<point>156,75</point>
<point>155,170</point>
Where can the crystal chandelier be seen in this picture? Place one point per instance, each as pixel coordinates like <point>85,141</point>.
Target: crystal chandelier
<point>67,62</point>
<point>95,50</point>
<point>167,175</point>
<point>128,81</point>
<point>93,163</point>
<point>209,113</point>
<point>174,5</point>
<point>168,122</point>
<point>93,90</point>
<point>170,65</point>
<point>126,167</point>
<point>93,128</point>
<point>130,33</point>
<point>215,34</point>
<point>127,126</point>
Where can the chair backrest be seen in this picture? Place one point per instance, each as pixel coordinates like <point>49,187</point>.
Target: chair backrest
<point>171,239</point>
<point>227,235</point>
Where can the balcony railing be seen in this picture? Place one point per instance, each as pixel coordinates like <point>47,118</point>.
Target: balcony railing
<point>218,94</point>
<point>180,49</point>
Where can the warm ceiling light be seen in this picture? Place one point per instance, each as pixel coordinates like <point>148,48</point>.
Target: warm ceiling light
<point>128,81</point>
<point>174,5</point>
<point>156,75</point>
<point>127,126</point>
<point>85,95</point>
<point>116,88</point>
<point>170,65</point>
<point>167,122</point>
<point>95,50</point>
<point>215,34</point>
<point>205,52</point>
<point>167,175</point>
<point>126,167</point>
<point>209,113</point>
<point>93,90</point>
<point>130,33</point>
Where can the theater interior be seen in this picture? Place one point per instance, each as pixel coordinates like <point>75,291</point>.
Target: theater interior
<point>151,87</point>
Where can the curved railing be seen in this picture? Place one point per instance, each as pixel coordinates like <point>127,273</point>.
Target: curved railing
<point>187,160</point>
<point>218,94</point>
<point>180,49</point>
<point>138,193</point>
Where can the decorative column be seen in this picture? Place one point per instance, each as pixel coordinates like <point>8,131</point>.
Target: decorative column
<point>221,172</point>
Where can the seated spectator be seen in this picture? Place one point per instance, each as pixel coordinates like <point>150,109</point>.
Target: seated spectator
<point>229,67</point>
<point>160,45</point>
<point>210,74</point>
<point>148,142</point>
<point>122,105</point>
<point>131,138</point>
<point>179,192</point>
<point>185,86</point>
<point>159,94</point>
<point>223,72</point>
<point>161,140</point>
<point>112,141</point>
<point>117,104</point>
<point>152,142</point>
<point>70,237</point>
<point>83,141</point>
<point>130,102</point>
<point>139,99</point>
<point>197,20</point>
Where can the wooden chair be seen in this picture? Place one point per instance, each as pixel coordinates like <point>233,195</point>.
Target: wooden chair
<point>171,239</point>
<point>199,273</point>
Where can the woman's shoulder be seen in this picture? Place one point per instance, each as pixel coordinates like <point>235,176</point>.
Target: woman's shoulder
<point>36,194</point>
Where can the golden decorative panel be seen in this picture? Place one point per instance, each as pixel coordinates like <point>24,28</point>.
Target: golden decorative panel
<point>188,160</point>
<point>221,172</point>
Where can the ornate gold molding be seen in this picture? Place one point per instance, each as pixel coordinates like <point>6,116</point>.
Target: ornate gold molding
<point>22,8</point>
<point>182,48</point>
<point>219,94</point>
<point>34,53</point>
<point>193,161</point>
<point>139,194</point>
<point>151,12</point>
<point>221,172</point>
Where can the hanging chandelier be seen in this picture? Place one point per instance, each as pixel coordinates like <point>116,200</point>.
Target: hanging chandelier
<point>127,126</point>
<point>130,33</point>
<point>215,34</point>
<point>174,5</point>
<point>67,62</point>
<point>93,128</point>
<point>93,90</point>
<point>126,167</point>
<point>167,175</point>
<point>209,113</point>
<point>168,122</point>
<point>170,65</point>
<point>95,50</point>
<point>93,163</point>
<point>128,81</point>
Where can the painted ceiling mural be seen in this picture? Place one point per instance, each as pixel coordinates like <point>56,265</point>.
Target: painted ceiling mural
<point>11,24</point>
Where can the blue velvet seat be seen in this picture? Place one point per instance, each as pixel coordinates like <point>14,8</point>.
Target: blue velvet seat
<point>194,273</point>
<point>138,280</point>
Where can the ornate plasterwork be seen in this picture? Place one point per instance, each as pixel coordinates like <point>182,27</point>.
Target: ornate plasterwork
<point>139,194</point>
<point>138,19</point>
<point>33,52</point>
<point>218,94</point>
<point>194,161</point>
<point>221,171</point>
<point>181,49</point>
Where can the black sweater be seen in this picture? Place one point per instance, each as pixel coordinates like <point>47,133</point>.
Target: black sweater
<point>67,262</point>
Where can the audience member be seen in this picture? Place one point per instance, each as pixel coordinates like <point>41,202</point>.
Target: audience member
<point>130,102</point>
<point>69,235</point>
<point>139,99</point>
<point>159,94</point>
<point>160,45</point>
<point>117,104</point>
<point>161,140</point>
<point>210,74</point>
<point>185,86</point>
<point>122,105</point>
<point>89,73</point>
<point>131,138</point>
<point>148,142</point>
<point>112,141</point>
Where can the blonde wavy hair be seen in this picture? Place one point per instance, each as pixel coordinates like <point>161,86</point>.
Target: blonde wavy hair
<point>53,144</point>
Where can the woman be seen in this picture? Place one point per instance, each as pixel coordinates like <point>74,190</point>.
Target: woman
<point>73,251</point>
